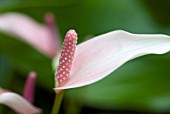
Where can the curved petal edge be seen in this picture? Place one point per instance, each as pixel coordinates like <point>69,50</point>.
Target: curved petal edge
<point>25,28</point>
<point>100,56</point>
<point>18,103</point>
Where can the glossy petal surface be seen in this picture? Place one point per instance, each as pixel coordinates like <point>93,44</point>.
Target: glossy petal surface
<point>98,57</point>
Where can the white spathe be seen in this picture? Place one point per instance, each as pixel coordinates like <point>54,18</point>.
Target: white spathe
<point>98,57</point>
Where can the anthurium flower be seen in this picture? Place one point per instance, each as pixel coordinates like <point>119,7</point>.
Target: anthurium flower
<point>18,103</point>
<point>29,88</point>
<point>96,58</point>
<point>41,37</point>
<point>22,105</point>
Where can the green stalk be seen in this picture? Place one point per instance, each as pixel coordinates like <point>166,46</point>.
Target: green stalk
<point>57,102</point>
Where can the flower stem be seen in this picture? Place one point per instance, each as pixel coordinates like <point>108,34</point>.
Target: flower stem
<point>57,102</point>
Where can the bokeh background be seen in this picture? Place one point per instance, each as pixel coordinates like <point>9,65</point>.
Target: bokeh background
<point>141,86</point>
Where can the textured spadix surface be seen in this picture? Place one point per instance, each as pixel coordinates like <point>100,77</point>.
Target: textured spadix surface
<point>17,103</point>
<point>66,58</point>
<point>98,57</point>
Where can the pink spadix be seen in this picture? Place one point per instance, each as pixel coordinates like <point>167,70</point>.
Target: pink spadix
<point>29,88</point>
<point>66,58</point>
<point>54,34</point>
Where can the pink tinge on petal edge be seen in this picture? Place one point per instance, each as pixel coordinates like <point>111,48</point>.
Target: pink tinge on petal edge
<point>3,91</point>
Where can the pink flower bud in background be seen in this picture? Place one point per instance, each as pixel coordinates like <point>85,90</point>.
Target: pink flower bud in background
<point>29,88</point>
<point>53,30</point>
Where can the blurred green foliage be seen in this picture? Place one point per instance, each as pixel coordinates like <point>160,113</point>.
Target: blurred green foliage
<point>141,85</point>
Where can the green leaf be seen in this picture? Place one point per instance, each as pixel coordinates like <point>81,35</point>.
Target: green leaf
<point>5,68</point>
<point>19,4</point>
<point>98,16</point>
<point>25,59</point>
<point>141,84</point>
